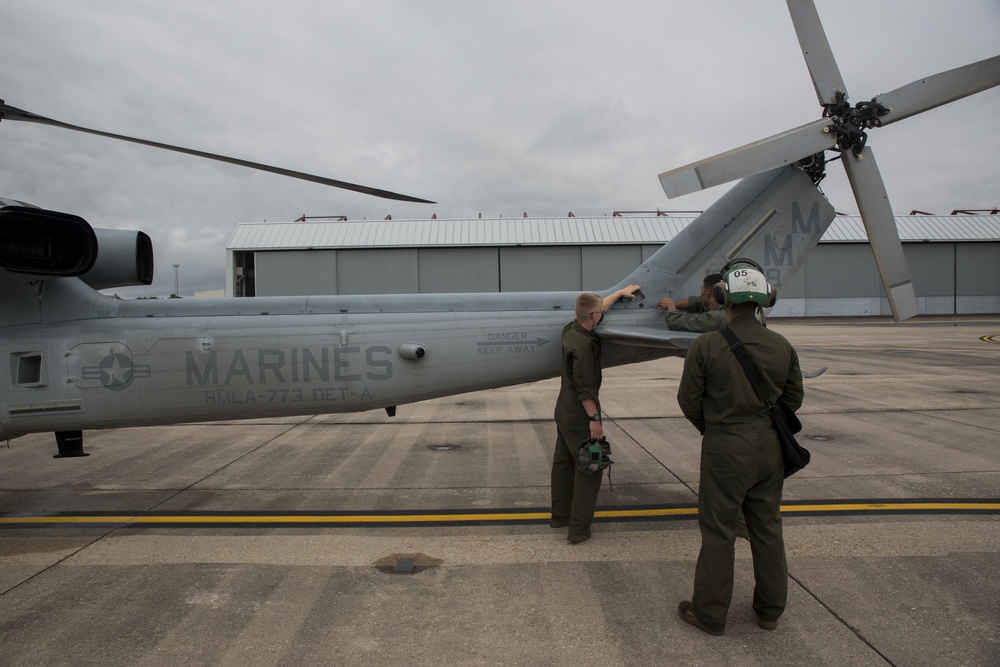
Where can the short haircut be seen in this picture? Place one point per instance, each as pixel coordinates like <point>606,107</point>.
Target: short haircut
<point>712,279</point>
<point>745,308</point>
<point>585,304</point>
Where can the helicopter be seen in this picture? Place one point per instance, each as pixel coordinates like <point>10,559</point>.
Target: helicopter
<point>77,359</point>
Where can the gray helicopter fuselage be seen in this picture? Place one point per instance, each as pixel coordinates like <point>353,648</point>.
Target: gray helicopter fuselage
<point>142,364</point>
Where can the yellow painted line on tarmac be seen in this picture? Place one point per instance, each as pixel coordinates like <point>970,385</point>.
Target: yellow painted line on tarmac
<point>15,520</point>
<point>895,507</point>
<point>690,511</point>
<point>276,519</point>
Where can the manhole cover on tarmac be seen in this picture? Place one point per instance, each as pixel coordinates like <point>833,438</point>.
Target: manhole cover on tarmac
<point>406,563</point>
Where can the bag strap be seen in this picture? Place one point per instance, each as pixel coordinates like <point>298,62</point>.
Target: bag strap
<point>743,355</point>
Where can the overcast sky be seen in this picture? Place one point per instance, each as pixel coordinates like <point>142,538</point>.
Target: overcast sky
<point>497,108</point>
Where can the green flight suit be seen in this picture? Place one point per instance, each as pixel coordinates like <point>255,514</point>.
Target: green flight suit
<point>695,305</point>
<point>704,321</point>
<point>574,495</point>
<point>741,464</point>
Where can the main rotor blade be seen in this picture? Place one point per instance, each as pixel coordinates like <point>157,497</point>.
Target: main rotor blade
<point>13,113</point>
<point>816,49</point>
<point>873,202</point>
<point>933,91</point>
<point>776,151</point>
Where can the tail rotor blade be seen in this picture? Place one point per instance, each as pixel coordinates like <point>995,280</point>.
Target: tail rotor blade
<point>933,91</point>
<point>13,113</point>
<point>873,202</point>
<point>777,151</point>
<point>816,50</point>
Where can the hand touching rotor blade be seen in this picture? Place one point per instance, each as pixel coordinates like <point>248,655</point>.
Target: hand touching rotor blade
<point>13,113</point>
<point>873,202</point>
<point>925,94</point>
<point>779,150</point>
<point>816,49</point>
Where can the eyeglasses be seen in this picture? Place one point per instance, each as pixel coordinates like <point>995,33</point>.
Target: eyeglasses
<point>598,312</point>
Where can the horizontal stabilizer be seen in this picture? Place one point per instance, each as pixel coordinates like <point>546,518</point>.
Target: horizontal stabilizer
<point>647,337</point>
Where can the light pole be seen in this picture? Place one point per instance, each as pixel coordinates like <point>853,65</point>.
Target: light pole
<point>177,289</point>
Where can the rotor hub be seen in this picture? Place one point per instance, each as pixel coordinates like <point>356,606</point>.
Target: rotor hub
<point>850,123</point>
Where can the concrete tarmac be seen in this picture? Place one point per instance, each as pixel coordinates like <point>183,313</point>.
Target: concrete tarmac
<point>423,539</point>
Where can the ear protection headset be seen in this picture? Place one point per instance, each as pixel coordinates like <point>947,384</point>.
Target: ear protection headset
<point>735,287</point>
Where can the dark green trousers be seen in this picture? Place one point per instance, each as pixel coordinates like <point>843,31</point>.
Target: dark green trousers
<point>746,479</point>
<point>574,495</point>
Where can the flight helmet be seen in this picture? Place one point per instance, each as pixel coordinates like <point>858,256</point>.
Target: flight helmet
<point>594,456</point>
<point>743,282</point>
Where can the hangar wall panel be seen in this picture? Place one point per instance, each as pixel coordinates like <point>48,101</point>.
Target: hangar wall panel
<point>458,270</point>
<point>842,268</point>
<point>978,269</point>
<point>949,278</point>
<point>540,268</point>
<point>377,271</point>
<point>304,272</point>
<point>606,266</point>
<point>932,269</point>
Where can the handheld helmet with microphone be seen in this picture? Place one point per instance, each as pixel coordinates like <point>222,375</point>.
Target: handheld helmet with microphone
<point>594,456</point>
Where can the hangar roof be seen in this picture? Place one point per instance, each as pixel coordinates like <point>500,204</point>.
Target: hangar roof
<point>609,230</point>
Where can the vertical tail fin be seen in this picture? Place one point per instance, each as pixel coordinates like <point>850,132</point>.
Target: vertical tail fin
<point>774,218</point>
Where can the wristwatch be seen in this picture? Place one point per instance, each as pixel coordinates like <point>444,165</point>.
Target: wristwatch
<point>595,417</point>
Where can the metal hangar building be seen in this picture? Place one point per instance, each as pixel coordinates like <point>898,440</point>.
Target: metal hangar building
<point>954,259</point>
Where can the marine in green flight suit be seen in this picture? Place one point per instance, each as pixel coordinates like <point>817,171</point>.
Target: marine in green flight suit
<point>710,320</point>
<point>696,313</point>
<point>574,495</point>
<point>741,464</point>
<point>578,416</point>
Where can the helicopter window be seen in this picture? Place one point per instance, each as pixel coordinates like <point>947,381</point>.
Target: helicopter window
<point>29,369</point>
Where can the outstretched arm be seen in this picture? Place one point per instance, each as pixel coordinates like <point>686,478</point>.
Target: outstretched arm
<point>625,292</point>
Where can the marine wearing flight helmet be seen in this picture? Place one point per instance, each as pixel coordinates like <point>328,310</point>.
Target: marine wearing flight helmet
<point>701,314</point>
<point>741,462</point>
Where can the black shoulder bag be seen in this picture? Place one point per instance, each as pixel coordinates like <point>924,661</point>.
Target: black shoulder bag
<point>796,456</point>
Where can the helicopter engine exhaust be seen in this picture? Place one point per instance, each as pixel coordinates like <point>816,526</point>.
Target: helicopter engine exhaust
<point>41,243</point>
